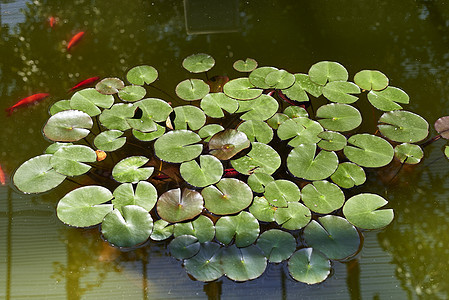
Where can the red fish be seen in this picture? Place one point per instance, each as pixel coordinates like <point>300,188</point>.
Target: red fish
<point>84,83</point>
<point>26,101</point>
<point>52,21</point>
<point>75,39</point>
<point>2,176</point>
<point>231,172</point>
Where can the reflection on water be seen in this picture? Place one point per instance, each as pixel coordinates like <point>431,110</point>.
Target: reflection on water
<point>407,40</point>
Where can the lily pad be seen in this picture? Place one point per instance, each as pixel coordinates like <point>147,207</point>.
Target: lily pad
<point>208,131</point>
<point>89,100</point>
<point>335,237</point>
<point>362,210</point>
<point>132,93</point>
<point>37,175</point>
<point>116,117</point>
<point>206,264</point>
<point>109,86</point>
<point>149,136</point>
<point>153,110</point>
<point>184,246</point>
<point>213,105</point>
<point>341,91</point>
<point>162,230</point>
<point>308,85</point>
<point>262,210</point>
<point>388,99</point>
<point>258,76</point>
<point>309,266</point>
<point>129,169</point>
<point>145,195</point>
<point>331,141</point>
<point>408,153</point>
<point>142,74</point>
<point>261,108</point>
<point>280,192</point>
<point>242,264</point>
<point>371,80</point>
<point>69,160</point>
<point>403,126</point>
<point>369,150</point>
<point>296,112</point>
<point>300,130</point>
<point>257,130</point>
<point>61,105</point>
<point>322,197</point>
<point>276,120</point>
<point>241,89</point>
<point>258,181</point>
<point>296,92</point>
<point>293,217</point>
<point>303,163</point>
<point>339,117</point>
<point>327,71</point>
<point>110,140</point>
<point>130,229</point>
<point>178,146</point>
<point>68,126</point>
<point>192,89</point>
<point>243,228</point>
<point>228,143</point>
<point>202,228</point>
<point>198,63</point>
<point>83,207</point>
<point>208,172</point>
<point>280,79</point>
<point>246,65</point>
<point>442,127</point>
<point>174,206</point>
<point>277,245</point>
<point>262,158</point>
<point>348,175</point>
<point>228,196</point>
<point>190,116</point>
<point>55,147</point>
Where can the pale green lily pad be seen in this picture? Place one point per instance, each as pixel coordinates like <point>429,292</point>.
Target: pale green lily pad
<point>208,131</point>
<point>176,206</point>
<point>149,136</point>
<point>129,169</point>
<point>296,92</point>
<point>243,228</point>
<point>55,147</point>
<point>362,210</point>
<point>243,264</point>
<point>228,143</point>
<point>308,265</point>
<point>331,141</point>
<point>192,89</point>
<point>213,105</point>
<point>36,175</point>
<point>277,245</point>
<point>154,108</point>
<point>116,117</point>
<point>276,120</point>
<point>261,108</point>
<point>369,150</point>
<point>303,163</point>
<point>162,230</point>
<point>300,130</point>
<point>109,86</point>
<point>280,192</point>
<point>446,151</point>
<point>61,105</point>
<point>296,112</point>
<point>280,79</point>
<point>262,158</point>
<point>293,217</point>
<point>132,93</point>
<point>110,140</point>
<point>89,100</point>
<point>207,172</point>
<point>189,116</point>
<point>142,74</point>
<point>335,237</point>
<point>241,89</point>
<point>246,65</point>
<point>228,196</point>
<point>339,117</point>
<point>145,195</point>
<point>83,207</point>
<point>308,85</point>
<point>388,99</point>
<point>408,153</point>
<point>341,91</point>
<point>258,181</point>
<point>262,210</point>
<point>198,63</point>
<point>348,175</point>
<point>257,130</point>
<point>202,228</point>
<point>322,197</point>
<point>327,71</point>
<point>127,229</point>
<point>68,126</point>
<point>403,126</point>
<point>371,80</point>
<point>205,265</point>
<point>178,146</point>
<point>258,76</point>
<point>184,246</point>
<point>69,160</point>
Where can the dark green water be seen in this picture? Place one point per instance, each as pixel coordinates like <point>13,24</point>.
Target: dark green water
<point>407,40</point>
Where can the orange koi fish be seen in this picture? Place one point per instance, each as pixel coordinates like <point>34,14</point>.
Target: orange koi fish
<point>75,39</point>
<point>84,83</point>
<point>26,101</point>
<point>52,21</point>
<point>2,176</point>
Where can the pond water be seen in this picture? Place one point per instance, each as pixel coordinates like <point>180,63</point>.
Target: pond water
<point>407,40</point>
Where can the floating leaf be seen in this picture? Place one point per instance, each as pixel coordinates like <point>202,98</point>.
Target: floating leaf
<point>205,265</point>
<point>308,85</point>
<point>162,230</point>
<point>116,117</point>
<point>184,246</point>
<point>369,150</point>
<point>261,108</point>
<point>258,76</point>
<point>442,127</point>
<point>55,147</point>
<point>246,65</point>
<point>309,266</point>
<point>202,228</point>
<point>61,105</point>
<point>130,229</point>
<point>110,140</point>
<point>322,197</point>
<point>296,92</point>
<point>335,237</point>
<point>371,80</point>
<point>327,71</point>
<point>300,130</point>
<point>296,112</point>
<point>339,117</point>
<point>198,63</point>
<point>174,206</point>
<point>68,126</point>
<point>189,115</point>
<point>303,163</point>
<point>341,91</point>
<point>279,192</point>
<point>69,160</point>
<point>145,195</point>
<point>242,264</point>
<point>178,146</point>
<point>408,153</point>
<point>258,181</point>
<point>362,211</point>
<point>153,110</point>
<point>388,98</point>
<point>262,158</point>
<point>109,86</point>
<point>229,196</point>
<point>446,151</point>
<point>192,89</point>
<point>348,175</point>
<point>213,105</point>
<point>277,245</point>
<point>206,132</point>
<point>37,175</point>
<point>129,169</point>
<point>208,172</point>
<point>244,228</point>
<point>262,210</point>
<point>276,120</point>
<point>228,143</point>
<point>149,136</point>
<point>88,101</point>
<point>132,93</point>
<point>280,79</point>
<point>331,141</point>
<point>293,217</point>
<point>242,89</point>
<point>142,74</point>
<point>83,207</point>
<point>257,130</point>
<point>403,126</point>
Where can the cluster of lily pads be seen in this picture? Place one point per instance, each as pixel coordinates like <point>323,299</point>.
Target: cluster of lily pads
<point>247,172</point>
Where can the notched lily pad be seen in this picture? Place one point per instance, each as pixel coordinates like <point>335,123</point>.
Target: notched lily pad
<point>132,93</point>
<point>202,228</point>
<point>243,228</point>
<point>213,105</point>
<point>369,151</point>
<point>280,192</point>
<point>262,209</point>
<point>109,86</point>
<point>241,89</point>
<point>110,140</point>
<point>246,65</point>
<point>129,169</point>
<point>388,99</point>
<point>277,245</point>
<point>403,126</point>
<point>327,71</point>
<point>68,126</point>
<point>308,265</point>
<point>144,195</point>
<point>176,206</point>
<point>184,246</point>
<point>322,197</point>
<point>198,63</point>
<point>205,265</point>
<point>408,153</point>
<point>262,158</point>
<point>348,175</point>
<point>192,89</point>
<point>228,143</point>
<point>261,108</point>
<point>371,80</point>
<point>208,172</point>
<point>294,216</point>
<point>339,117</point>
<point>442,127</point>
<point>258,76</point>
<point>142,74</point>
<point>70,160</point>
<point>341,91</point>
<point>256,130</point>
<point>178,146</point>
<point>89,100</point>
<point>189,116</point>
<point>242,264</point>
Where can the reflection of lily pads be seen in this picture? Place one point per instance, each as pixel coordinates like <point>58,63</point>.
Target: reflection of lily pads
<point>369,150</point>
<point>322,197</point>
<point>243,228</point>
<point>242,264</point>
<point>174,206</point>
<point>303,163</point>
<point>202,228</point>
<point>348,175</point>
<point>309,266</point>
<point>198,63</point>
<point>178,146</point>
<point>145,195</point>
<point>68,126</point>
<point>109,86</point>
<point>228,143</point>
<point>192,89</point>
<point>208,172</point>
<point>241,89</point>
<point>246,65</point>
<point>327,71</point>
<point>408,153</point>
<point>69,160</point>
<point>110,140</point>
<point>129,169</point>
<point>293,217</point>
<point>206,264</point>
<point>277,245</point>
<point>262,158</point>
<point>142,74</point>
<point>403,126</point>
<point>371,80</point>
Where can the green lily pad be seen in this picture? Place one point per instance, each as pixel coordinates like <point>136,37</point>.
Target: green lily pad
<point>208,131</point>
<point>228,143</point>
<point>262,158</point>
<point>331,141</point>
<point>198,63</point>
<point>308,85</point>
<point>258,76</point>
<point>241,89</point>
<point>83,207</point>
<point>178,146</point>
<point>371,80</point>
<point>446,151</point>
<point>261,108</point>
<point>262,210</point>
<point>243,228</point>
<point>280,192</point>
<point>403,126</point>
<point>280,79</point>
<point>190,116</point>
<point>408,153</point>
<point>296,92</point>
<point>341,91</point>
<point>68,126</point>
<point>129,169</point>
<point>335,237</point>
<point>303,163</point>
<point>37,175</point>
<point>388,99</point>
<point>116,117</point>
<point>55,147</point>
<point>258,181</point>
<point>154,108</point>
<point>184,246</point>
<point>327,71</point>
<point>145,195</point>
<point>109,86</point>
<point>192,89</point>
<point>132,93</point>
<point>61,105</point>
<point>213,105</point>
<point>69,160</point>
<point>369,151</point>
<point>208,172</point>
<point>229,196</point>
<point>162,230</point>
<point>296,112</point>
<point>277,245</point>
<point>309,266</point>
<point>339,117</point>
<point>246,65</point>
<point>205,265</point>
<point>130,229</point>
<point>89,100</point>
<point>348,175</point>
<point>142,74</point>
<point>242,264</point>
<point>276,120</point>
<point>294,216</point>
<point>149,136</point>
<point>300,130</point>
<point>257,130</point>
<point>110,140</point>
<point>362,210</point>
<point>202,228</point>
<point>174,206</point>
<point>322,197</point>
